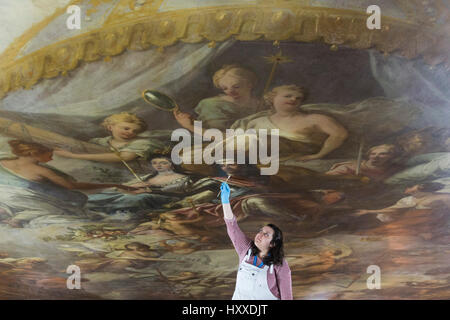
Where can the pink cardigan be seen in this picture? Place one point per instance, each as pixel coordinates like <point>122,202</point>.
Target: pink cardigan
<point>279,282</point>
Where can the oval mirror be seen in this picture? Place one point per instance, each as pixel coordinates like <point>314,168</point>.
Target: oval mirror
<point>159,100</point>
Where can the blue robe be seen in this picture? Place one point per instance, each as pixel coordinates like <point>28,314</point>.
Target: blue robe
<point>25,200</point>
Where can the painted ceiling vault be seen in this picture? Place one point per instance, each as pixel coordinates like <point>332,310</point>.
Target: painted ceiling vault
<point>88,178</point>
<point>410,28</point>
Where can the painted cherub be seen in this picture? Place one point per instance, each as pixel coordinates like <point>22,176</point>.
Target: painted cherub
<point>237,100</point>
<point>124,141</point>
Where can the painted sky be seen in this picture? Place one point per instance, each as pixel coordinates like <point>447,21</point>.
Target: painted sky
<point>19,15</point>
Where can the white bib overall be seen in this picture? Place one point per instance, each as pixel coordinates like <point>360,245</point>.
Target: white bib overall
<point>251,282</point>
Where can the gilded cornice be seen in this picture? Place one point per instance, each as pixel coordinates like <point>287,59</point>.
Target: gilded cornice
<point>265,22</point>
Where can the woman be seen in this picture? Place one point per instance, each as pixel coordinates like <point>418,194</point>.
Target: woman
<point>263,273</point>
<point>304,136</point>
<point>30,189</point>
<point>165,178</point>
<point>163,186</point>
<point>237,100</point>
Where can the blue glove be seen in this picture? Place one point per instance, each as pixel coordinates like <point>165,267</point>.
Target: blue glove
<point>225,192</point>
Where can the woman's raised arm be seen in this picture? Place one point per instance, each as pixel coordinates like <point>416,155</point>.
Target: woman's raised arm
<point>225,197</point>
<point>240,241</point>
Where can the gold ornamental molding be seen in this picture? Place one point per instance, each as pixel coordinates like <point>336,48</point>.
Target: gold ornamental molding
<point>269,22</point>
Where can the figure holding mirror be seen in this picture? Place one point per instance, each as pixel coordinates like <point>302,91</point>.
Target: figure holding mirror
<point>237,100</point>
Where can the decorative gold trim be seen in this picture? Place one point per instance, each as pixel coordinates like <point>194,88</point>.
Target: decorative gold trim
<point>289,22</point>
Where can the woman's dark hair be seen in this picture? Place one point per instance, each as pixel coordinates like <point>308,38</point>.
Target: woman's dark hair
<point>176,168</point>
<point>276,253</point>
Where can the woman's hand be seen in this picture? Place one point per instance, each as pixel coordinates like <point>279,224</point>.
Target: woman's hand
<point>142,190</point>
<point>133,189</point>
<point>225,197</point>
<point>225,193</point>
<point>140,185</point>
<point>183,118</point>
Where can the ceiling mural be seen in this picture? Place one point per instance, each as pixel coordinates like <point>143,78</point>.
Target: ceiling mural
<point>115,139</point>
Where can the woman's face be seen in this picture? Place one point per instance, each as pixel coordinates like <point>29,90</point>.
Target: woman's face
<point>263,238</point>
<point>161,164</point>
<point>287,100</point>
<point>124,130</point>
<point>235,86</point>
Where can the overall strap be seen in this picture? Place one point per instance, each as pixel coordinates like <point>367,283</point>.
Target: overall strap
<point>248,255</point>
